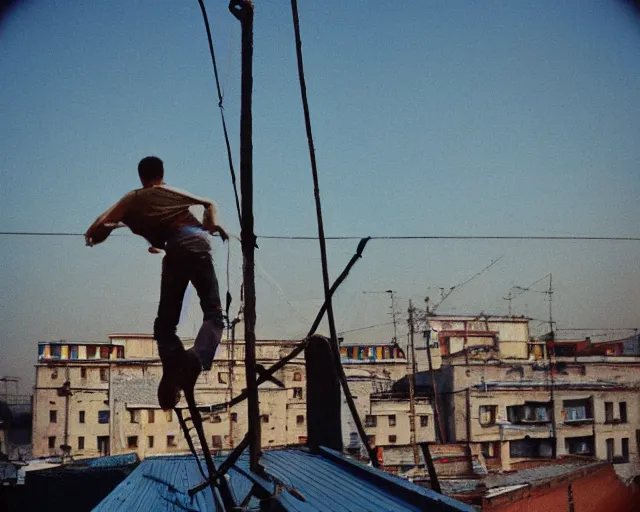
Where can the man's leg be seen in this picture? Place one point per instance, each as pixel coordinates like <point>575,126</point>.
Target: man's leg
<point>173,285</point>
<point>204,281</point>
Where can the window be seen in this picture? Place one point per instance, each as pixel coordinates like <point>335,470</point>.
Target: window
<point>297,393</point>
<point>392,420</point>
<point>80,416</point>
<point>74,352</point>
<point>91,352</point>
<point>609,449</point>
<point>623,412</point>
<point>392,439</point>
<point>576,411</point>
<point>132,442</point>
<point>625,449</point>
<point>489,450</point>
<point>54,374</point>
<point>215,418</point>
<point>52,442</point>
<point>582,445</point>
<point>104,375</point>
<point>234,417</point>
<point>171,441</point>
<point>297,376</point>
<point>53,416</point>
<point>216,442</point>
<point>150,441</point>
<point>169,416</point>
<point>531,448</point>
<point>424,421</point>
<point>81,443</point>
<point>151,416</point>
<point>488,415</point>
<point>530,412</point>
<point>103,416</point>
<point>300,419</point>
<point>223,378</point>
<point>104,352</point>
<point>264,418</point>
<point>608,412</point>
<point>83,373</point>
<point>134,416</point>
<point>370,420</point>
<point>103,445</point>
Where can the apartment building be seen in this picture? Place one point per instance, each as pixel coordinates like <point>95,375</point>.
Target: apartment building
<point>518,400</point>
<point>98,398</point>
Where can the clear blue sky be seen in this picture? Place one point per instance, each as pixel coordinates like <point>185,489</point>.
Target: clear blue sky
<point>439,118</point>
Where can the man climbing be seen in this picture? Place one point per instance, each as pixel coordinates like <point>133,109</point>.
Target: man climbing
<point>161,215</point>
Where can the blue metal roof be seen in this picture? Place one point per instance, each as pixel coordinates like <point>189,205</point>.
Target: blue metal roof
<point>325,481</point>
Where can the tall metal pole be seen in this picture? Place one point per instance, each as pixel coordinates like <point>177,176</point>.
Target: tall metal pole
<point>243,11</point>
<point>552,369</point>
<point>436,407</point>
<point>323,249</point>
<point>393,315</point>
<point>412,389</point>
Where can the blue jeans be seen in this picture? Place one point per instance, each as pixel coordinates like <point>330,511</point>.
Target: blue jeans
<point>188,259</point>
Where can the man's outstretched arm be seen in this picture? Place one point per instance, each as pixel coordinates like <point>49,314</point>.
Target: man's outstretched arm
<point>107,222</point>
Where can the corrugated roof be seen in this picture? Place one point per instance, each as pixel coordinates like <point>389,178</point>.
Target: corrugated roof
<point>326,481</point>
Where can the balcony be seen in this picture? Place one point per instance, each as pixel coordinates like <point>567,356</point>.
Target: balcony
<point>579,421</point>
<point>510,432</point>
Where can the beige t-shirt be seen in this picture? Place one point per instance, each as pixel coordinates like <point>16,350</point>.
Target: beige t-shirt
<point>155,213</point>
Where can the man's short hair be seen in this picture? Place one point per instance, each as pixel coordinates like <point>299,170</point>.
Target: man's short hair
<point>150,168</point>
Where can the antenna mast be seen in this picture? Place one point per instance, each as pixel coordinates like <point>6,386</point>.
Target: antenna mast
<point>394,315</point>
<point>412,388</point>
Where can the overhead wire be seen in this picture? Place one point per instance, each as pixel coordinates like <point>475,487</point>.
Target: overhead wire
<point>220,105</point>
<point>381,237</point>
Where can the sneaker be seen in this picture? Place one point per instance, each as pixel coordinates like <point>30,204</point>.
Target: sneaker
<point>169,387</point>
<point>191,368</point>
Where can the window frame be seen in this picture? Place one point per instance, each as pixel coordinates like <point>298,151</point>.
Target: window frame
<point>493,415</point>
<point>102,414</point>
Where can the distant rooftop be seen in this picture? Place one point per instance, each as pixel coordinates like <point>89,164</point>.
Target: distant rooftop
<point>495,483</point>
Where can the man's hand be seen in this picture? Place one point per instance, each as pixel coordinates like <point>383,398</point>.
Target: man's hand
<point>97,234</point>
<point>221,232</point>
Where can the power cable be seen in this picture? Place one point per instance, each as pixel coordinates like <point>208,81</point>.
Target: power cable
<point>220,99</point>
<point>383,237</point>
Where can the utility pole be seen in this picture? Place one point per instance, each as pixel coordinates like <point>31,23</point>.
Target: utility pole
<point>552,369</point>
<point>436,407</point>
<point>394,315</point>
<point>243,11</point>
<point>509,298</point>
<point>412,388</point>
